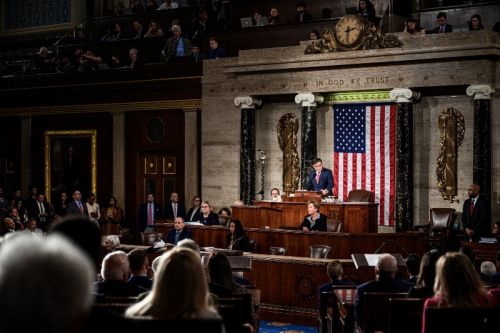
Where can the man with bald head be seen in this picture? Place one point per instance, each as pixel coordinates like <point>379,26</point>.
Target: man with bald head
<point>385,271</point>
<point>476,214</point>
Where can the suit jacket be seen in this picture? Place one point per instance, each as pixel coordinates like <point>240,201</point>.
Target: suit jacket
<point>319,224</point>
<point>185,234</point>
<point>480,219</point>
<point>143,215</point>
<point>447,28</point>
<point>196,216</point>
<point>391,286</point>
<point>211,219</point>
<point>42,222</point>
<point>72,209</point>
<point>325,181</point>
<point>169,212</point>
<point>170,47</point>
<point>141,281</point>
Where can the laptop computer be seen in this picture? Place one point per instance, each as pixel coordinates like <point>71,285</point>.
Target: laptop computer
<point>246,22</point>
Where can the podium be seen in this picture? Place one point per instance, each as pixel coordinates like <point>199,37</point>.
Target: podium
<point>303,196</point>
<point>366,260</point>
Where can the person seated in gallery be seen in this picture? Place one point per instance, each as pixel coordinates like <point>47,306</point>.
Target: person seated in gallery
<point>334,271</point>
<point>180,290</point>
<point>424,288</point>
<point>314,220</point>
<point>179,232</point>
<point>208,217</point>
<point>457,285</point>
<point>276,195</point>
<point>115,273</point>
<point>442,27</point>
<point>475,23</point>
<point>366,10</point>
<point>195,210</point>
<point>385,271</point>
<point>412,27</point>
<point>486,272</point>
<point>224,216</point>
<point>274,16</point>
<point>302,14</point>
<point>236,238</point>
<point>412,266</point>
<point>177,47</point>
<point>495,231</point>
<point>138,259</point>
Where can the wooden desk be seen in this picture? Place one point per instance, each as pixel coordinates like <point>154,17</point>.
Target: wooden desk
<point>297,242</point>
<point>358,217</point>
<point>483,251</point>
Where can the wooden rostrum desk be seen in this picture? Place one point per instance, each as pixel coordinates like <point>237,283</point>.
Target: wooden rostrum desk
<point>357,217</point>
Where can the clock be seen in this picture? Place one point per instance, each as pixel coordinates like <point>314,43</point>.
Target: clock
<point>349,31</point>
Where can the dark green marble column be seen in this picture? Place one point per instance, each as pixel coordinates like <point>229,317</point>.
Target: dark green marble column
<point>404,158</point>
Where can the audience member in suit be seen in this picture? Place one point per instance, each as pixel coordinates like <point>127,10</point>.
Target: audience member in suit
<point>42,212</point>
<point>424,288</point>
<point>442,27</point>
<point>138,260</point>
<point>208,217</point>
<point>314,220</point>
<point>215,51</point>
<point>180,289</point>
<point>30,202</point>
<point>457,285</point>
<point>335,272</point>
<point>134,59</point>
<point>320,179</point>
<point>115,270</point>
<point>385,270</point>
<point>175,208</point>
<point>487,271</point>
<point>476,214</point>
<point>176,47</point>
<point>412,266</point>
<point>7,226</point>
<point>179,232</point>
<point>50,278</point>
<point>236,238</point>
<point>138,33</point>
<point>149,212</point>
<point>302,15</point>
<point>77,207</point>
<point>194,212</point>
<point>32,229</point>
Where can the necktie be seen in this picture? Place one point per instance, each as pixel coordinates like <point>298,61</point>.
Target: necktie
<point>175,210</point>
<point>441,29</point>
<point>317,177</point>
<point>471,209</point>
<point>150,214</point>
<point>42,210</point>
<point>80,207</point>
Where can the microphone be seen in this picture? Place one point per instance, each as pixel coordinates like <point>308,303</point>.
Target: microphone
<point>377,251</point>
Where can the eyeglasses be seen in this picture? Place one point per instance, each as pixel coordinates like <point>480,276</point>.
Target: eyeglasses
<point>204,206</point>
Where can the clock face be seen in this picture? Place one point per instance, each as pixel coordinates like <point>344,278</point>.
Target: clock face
<point>349,30</point>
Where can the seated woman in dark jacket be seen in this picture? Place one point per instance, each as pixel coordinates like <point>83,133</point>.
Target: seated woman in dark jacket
<point>313,221</point>
<point>236,238</point>
<point>207,217</point>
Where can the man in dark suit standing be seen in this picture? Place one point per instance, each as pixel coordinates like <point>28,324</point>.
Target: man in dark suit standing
<point>149,212</point>
<point>320,179</point>
<point>476,214</point>
<point>442,27</point>
<point>41,212</point>
<point>174,208</point>
<point>179,232</point>
<point>77,207</point>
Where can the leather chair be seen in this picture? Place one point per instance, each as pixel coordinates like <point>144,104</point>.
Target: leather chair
<point>252,245</point>
<point>277,250</point>
<point>360,195</point>
<point>148,238</point>
<point>319,251</point>
<point>334,226</point>
<point>440,222</point>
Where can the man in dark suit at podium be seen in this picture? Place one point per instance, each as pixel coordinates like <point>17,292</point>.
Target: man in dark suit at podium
<point>320,179</point>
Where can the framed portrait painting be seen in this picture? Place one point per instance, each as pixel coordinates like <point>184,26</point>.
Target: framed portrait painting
<point>70,162</point>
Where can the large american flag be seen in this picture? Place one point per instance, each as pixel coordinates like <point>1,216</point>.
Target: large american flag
<point>364,153</point>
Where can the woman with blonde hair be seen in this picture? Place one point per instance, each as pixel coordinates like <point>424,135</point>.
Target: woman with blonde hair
<point>457,285</point>
<point>180,289</point>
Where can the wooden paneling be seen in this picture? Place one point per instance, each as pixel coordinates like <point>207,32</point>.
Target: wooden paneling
<point>297,242</point>
<point>357,217</point>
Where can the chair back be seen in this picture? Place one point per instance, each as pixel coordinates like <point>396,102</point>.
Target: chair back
<point>252,245</point>
<point>360,195</point>
<point>148,238</point>
<point>405,315</point>
<point>319,251</point>
<point>462,320</point>
<point>376,310</point>
<point>277,250</point>
<point>440,219</point>
<point>334,225</point>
